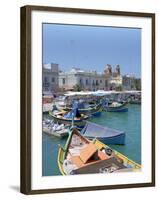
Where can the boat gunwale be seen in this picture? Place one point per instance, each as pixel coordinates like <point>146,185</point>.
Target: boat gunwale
<point>124,104</point>
<point>96,142</point>
<point>68,120</point>
<point>94,108</point>
<point>119,154</point>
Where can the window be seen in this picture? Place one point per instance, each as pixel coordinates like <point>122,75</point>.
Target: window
<point>100,81</point>
<point>86,81</point>
<point>53,79</point>
<point>96,82</point>
<point>46,80</point>
<point>63,81</point>
<point>106,83</point>
<point>93,83</point>
<point>80,81</point>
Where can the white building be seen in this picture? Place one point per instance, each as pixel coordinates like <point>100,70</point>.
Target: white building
<point>50,78</point>
<point>128,82</point>
<point>90,80</point>
<point>85,80</point>
<point>77,79</point>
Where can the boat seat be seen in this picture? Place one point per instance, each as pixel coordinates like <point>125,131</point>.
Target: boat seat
<point>87,152</point>
<point>77,161</point>
<point>102,155</point>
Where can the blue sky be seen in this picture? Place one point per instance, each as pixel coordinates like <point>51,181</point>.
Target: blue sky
<point>91,48</point>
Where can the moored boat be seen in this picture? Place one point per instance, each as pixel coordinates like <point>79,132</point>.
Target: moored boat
<point>82,156</point>
<point>72,118</point>
<point>135,101</point>
<point>115,106</point>
<point>54,129</point>
<point>104,134</point>
<point>61,105</point>
<point>86,108</point>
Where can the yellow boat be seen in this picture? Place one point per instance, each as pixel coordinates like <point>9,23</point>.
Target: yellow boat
<point>60,117</point>
<point>82,156</point>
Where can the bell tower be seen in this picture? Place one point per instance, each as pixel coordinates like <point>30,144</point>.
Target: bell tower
<point>108,70</point>
<point>117,70</point>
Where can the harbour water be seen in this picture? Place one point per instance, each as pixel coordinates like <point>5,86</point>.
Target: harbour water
<point>130,122</point>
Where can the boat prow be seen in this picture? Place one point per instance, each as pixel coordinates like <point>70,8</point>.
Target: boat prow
<point>82,156</point>
<point>106,135</point>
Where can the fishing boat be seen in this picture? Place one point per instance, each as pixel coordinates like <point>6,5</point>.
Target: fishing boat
<point>115,106</point>
<point>83,108</point>
<point>135,102</point>
<point>47,107</point>
<point>82,156</point>
<point>54,129</point>
<point>60,105</point>
<point>135,98</point>
<point>73,117</point>
<point>104,134</point>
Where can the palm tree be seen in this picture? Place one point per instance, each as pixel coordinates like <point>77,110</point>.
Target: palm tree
<point>77,88</point>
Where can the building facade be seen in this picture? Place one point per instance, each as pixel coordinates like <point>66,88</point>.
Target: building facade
<point>128,82</point>
<point>131,83</point>
<point>50,78</point>
<point>83,80</point>
<point>114,77</point>
<point>78,79</point>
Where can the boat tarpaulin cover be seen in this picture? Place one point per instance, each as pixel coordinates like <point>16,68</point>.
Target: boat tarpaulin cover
<point>96,130</point>
<point>73,113</point>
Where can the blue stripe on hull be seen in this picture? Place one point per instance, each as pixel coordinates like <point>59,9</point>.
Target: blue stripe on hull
<point>96,114</point>
<point>118,110</point>
<point>120,139</point>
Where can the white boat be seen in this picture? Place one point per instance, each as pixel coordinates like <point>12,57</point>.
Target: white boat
<point>54,129</point>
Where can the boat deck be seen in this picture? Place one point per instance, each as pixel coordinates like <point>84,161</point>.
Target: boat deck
<point>102,166</point>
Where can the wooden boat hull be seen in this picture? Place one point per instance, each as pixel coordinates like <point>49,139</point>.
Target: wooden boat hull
<point>121,108</point>
<point>119,139</point>
<point>135,102</point>
<point>117,109</point>
<point>62,153</point>
<point>104,134</point>
<point>94,111</point>
<point>56,133</point>
<point>96,114</point>
<point>77,122</point>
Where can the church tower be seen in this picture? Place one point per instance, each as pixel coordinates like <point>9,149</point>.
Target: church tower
<point>108,70</point>
<point>117,70</point>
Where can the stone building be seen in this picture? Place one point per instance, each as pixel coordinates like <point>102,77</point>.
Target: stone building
<point>128,82</point>
<point>50,78</point>
<point>90,80</point>
<point>131,83</point>
<point>114,78</point>
<point>77,79</point>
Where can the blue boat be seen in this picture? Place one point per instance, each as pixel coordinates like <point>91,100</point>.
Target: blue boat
<point>104,134</point>
<point>86,108</point>
<point>71,118</point>
<point>115,106</point>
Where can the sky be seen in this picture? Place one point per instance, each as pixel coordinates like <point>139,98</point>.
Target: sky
<point>92,47</point>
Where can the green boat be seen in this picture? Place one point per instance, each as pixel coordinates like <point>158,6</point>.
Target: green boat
<point>72,118</point>
<point>82,156</point>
